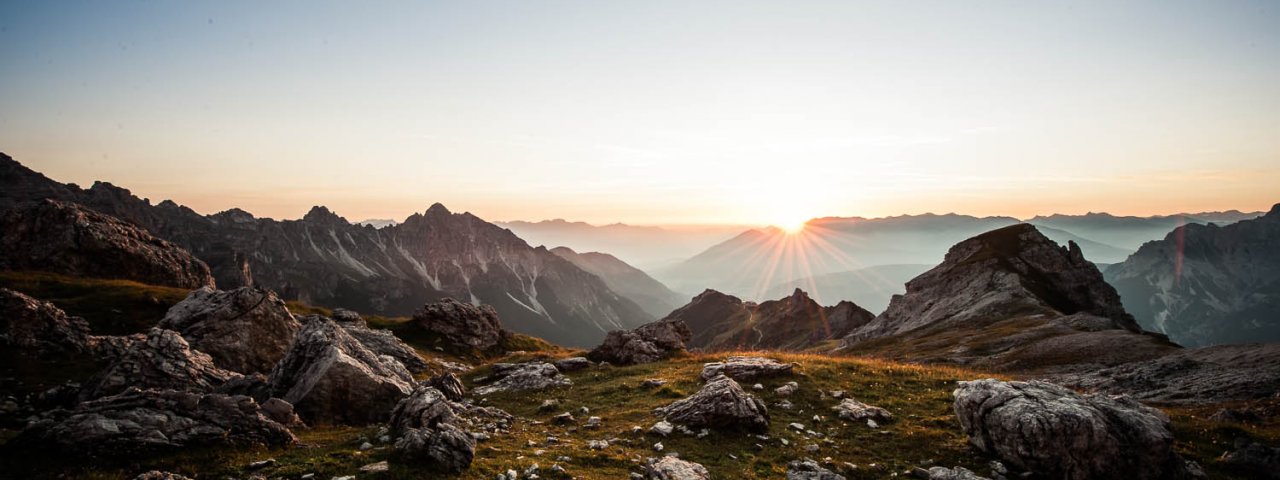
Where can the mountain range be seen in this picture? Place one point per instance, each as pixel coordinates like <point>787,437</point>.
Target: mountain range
<point>646,247</point>
<point>325,260</point>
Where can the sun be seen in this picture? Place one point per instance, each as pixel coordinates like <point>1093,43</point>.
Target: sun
<point>792,225</point>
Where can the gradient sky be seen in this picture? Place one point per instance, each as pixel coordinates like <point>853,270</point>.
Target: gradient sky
<point>652,112</point>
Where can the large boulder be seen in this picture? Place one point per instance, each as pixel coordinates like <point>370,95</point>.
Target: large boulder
<point>245,330</point>
<point>747,368</point>
<point>330,377</point>
<point>164,361</point>
<point>156,421</point>
<point>70,239</point>
<point>523,376</point>
<point>426,407</point>
<point>673,468</point>
<point>808,469</point>
<point>40,327</point>
<point>445,447</point>
<point>383,342</point>
<point>720,404</point>
<point>650,342</point>
<point>1056,433</point>
<point>463,325</point>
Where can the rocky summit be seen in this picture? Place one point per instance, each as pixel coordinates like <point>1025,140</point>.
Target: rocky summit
<point>67,238</point>
<point>724,322</point>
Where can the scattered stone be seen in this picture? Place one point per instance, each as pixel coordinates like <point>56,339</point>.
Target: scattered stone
<point>796,426</point>
<point>330,377</point>
<point>548,405</point>
<point>837,394</point>
<point>721,403</point>
<point>378,467</point>
<point>155,421</point>
<point>463,325</point>
<point>1054,432</point>
<point>787,389</point>
<point>757,387</point>
<point>672,468</point>
<point>572,364</point>
<point>663,428</point>
<point>598,444</point>
<point>448,384</point>
<point>812,448</point>
<point>159,475</point>
<point>593,422</point>
<point>872,424</point>
<point>246,330</point>
<point>943,473</point>
<point>853,410</point>
<point>366,446</point>
<point>563,418</point>
<point>653,383</point>
<point>650,342</point>
<point>747,368</point>
<point>808,469</point>
<point>260,464</point>
<point>524,376</point>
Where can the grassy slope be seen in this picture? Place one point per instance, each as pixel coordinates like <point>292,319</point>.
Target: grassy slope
<point>920,397</point>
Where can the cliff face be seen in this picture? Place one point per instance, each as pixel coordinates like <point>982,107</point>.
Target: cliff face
<point>66,238</point>
<point>325,260</point>
<point>796,322</point>
<point>1205,284</point>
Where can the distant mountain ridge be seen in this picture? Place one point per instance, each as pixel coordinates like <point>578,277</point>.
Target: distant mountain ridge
<point>654,297</point>
<point>325,260</point>
<point>795,322</point>
<point>1207,284</point>
<point>1131,232</point>
<point>642,246</point>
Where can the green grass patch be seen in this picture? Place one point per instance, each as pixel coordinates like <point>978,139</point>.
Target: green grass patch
<point>112,307</point>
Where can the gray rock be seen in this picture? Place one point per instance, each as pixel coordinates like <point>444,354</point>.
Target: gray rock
<point>672,468</point>
<point>647,343</point>
<point>572,364</point>
<point>347,317</point>
<point>156,421</point>
<point>281,412</point>
<point>446,447</point>
<point>246,330</point>
<point>1054,432</point>
<point>330,377</point>
<point>747,368</point>
<point>524,376</point>
<point>853,410</point>
<point>1192,376</point>
<point>809,470</point>
<point>383,342</point>
<point>159,475</point>
<point>40,327</point>
<point>463,325</point>
<point>163,361</point>
<point>720,404</point>
<point>958,473</point>
<point>448,384</point>
<point>425,408</point>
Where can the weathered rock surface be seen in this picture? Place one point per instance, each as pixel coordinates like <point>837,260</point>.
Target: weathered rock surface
<point>572,364</point>
<point>426,408</point>
<point>523,376</point>
<point>245,330</point>
<point>853,410</point>
<point>810,470</point>
<point>330,377</point>
<point>1191,376</point>
<point>647,343</point>
<point>383,342</point>
<point>66,238</point>
<point>281,412</point>
<point>159,475</point>
<point>747,368</point>
<point>164,361</point>
<point>448,384</point>
<point>40,327</point>
<point>673,468</point>
<point>446,447</point>
<point>1054,432</point>
<point>463,325</point>
<point>720,404</point>
<point>958,473</point>
<point>154,421</point>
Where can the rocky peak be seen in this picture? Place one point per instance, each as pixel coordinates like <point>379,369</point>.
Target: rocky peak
<point>1274,214</point>
<point>437,209</point>
<point>1000,274</point>
<point>321,215</point>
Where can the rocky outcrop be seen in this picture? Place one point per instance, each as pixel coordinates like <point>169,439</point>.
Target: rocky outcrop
<point>330,377</point>
<point>650,342</point>
<point>810,470</point>
<point>1190,376</point>
<point>383,342</point>
<point>1055,433</point>
<point>720,404</point>
<point>245,330</point>
<point>448,384</point>
<point>156,421</point>
<point>445,447</point>
<point>796,322</point>
<point>322,259</point>
<point>465,327</point>
<point>40,327</point>
<point>426,407</point>
<point>747,368</point>
<point>572,364</point>
<point>523,376</point>
<point>673,468</point>
<point>67,238</point>
<point>164,361</point>
<point>1207,284</point>
<point>1009,299</point>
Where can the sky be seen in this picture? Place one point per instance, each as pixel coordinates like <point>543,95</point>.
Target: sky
<point>652,112</point>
